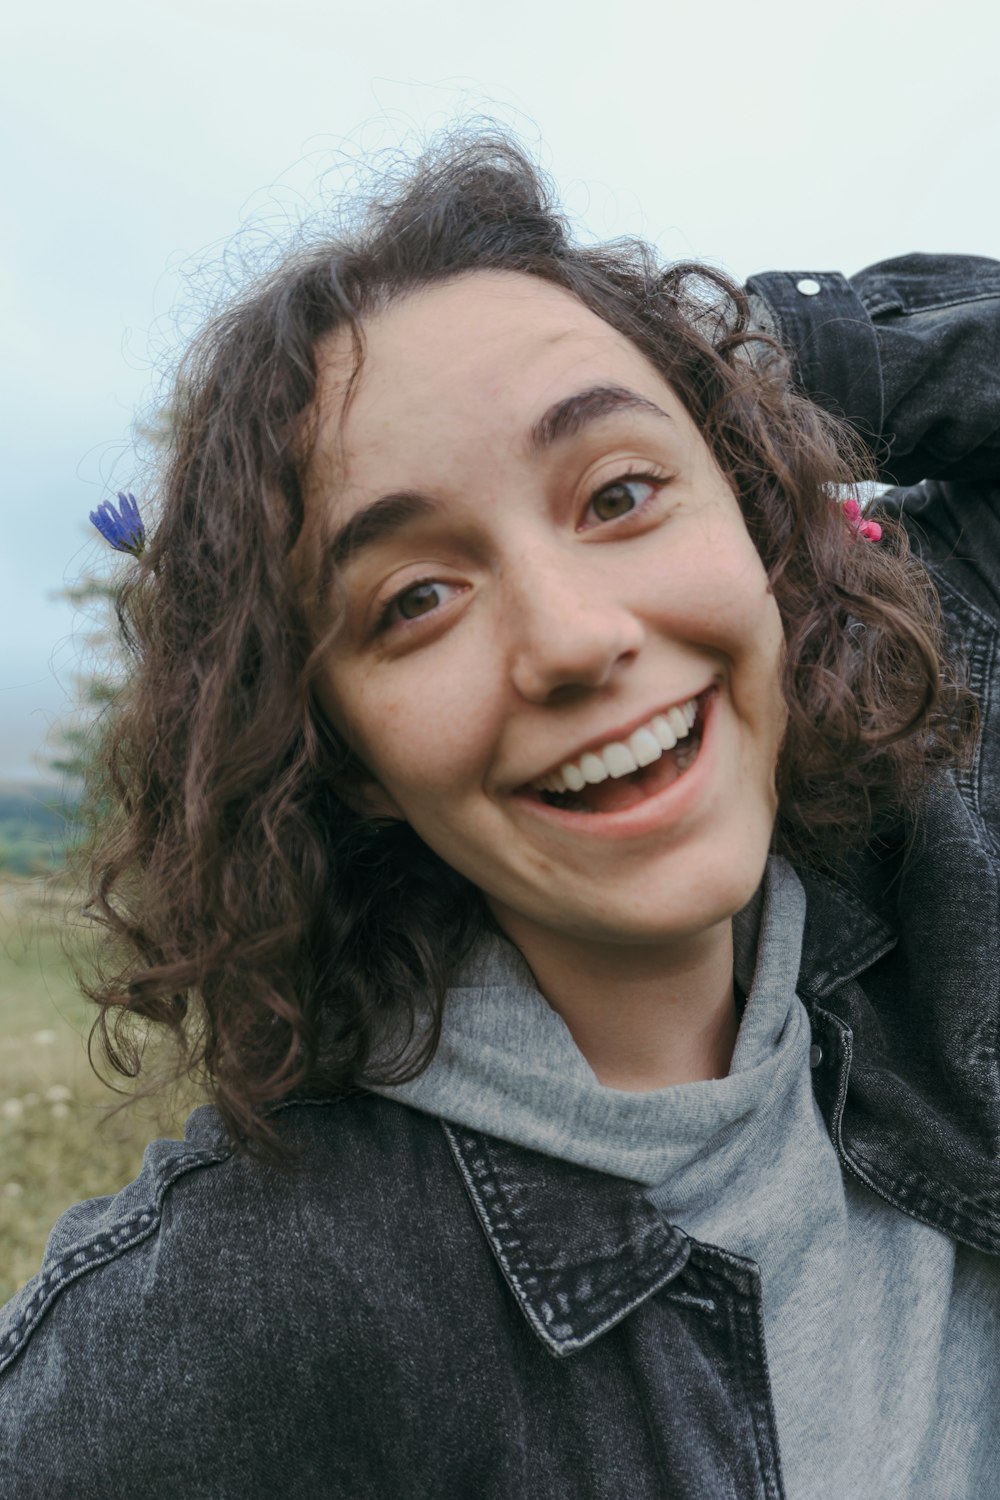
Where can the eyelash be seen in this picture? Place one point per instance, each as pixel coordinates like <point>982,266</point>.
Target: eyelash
<point>657,481</point>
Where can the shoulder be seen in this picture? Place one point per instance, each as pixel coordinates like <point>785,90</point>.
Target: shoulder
<point>208,1266</point>
<point>100,1231</point>
<point>954,528</point>
<point>198,1193</point>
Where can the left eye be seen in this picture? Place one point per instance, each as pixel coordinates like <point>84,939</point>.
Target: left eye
<point>629,493</point>
<point>421,598</point>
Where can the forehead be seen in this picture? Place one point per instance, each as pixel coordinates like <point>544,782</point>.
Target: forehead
<point>464,363</point>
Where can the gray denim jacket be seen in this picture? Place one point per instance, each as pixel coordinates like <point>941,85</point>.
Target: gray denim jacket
<point>425,1311</point>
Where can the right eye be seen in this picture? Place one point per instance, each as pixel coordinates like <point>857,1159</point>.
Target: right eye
<point>623,496</point>
<point>415,601</point>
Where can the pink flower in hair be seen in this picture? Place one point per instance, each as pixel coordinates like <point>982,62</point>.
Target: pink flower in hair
<point>870,530</point>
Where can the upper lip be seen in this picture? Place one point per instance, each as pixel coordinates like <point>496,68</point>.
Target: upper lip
<point>597,741</point>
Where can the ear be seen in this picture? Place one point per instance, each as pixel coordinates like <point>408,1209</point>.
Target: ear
<point>350,778</point>
<point>372,801</point>
<point>367,798</point>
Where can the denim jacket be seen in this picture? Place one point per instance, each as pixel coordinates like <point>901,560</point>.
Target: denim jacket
<point>425,1311</point>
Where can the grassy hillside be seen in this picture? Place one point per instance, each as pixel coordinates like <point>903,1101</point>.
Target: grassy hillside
<point>56,1147</point>
<point>36,824</point>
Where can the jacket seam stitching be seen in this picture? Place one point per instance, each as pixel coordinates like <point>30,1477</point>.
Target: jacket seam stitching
<point>901,309</point>
<point>519,1287</point>
<point>98,1249</point>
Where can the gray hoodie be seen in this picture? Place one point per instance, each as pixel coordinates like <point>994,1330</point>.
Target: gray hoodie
<point>882,1333</point>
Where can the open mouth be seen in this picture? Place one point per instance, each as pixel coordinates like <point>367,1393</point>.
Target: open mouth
<point>617,794</point>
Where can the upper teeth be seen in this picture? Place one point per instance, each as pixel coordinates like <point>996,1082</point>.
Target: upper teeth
<point>621,757</point>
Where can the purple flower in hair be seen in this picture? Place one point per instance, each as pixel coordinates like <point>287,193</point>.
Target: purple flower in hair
<point>122,527</point>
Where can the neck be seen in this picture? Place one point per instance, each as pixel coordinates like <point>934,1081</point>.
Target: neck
<point>643,1017</point>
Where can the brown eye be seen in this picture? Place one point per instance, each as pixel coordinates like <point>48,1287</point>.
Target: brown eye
<point>425,597</point>
<point>621,497</point>
<point>419,600</point>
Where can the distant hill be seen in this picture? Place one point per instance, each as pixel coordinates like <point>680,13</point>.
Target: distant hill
<point>36,824</point>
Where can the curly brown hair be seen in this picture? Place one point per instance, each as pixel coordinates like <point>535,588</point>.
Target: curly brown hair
<point>246,907</point>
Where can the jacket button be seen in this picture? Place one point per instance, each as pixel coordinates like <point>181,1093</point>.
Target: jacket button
<point>808,287</point>
<point>815,1055</point>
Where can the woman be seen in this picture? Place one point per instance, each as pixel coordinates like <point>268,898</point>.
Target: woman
<point>555,824</point>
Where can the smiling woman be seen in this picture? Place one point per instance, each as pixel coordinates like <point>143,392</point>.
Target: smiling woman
<point>516,417</point>
<point>528,753</point>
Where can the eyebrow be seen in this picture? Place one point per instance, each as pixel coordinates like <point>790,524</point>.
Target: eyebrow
<point>393,512</point>
<point>568,417</point>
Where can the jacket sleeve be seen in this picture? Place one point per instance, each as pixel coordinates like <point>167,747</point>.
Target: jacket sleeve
<point>908,351</point>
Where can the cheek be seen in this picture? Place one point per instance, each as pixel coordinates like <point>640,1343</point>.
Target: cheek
<point>742,619</point>
<point>427,735</point>
<point>727,594</point>
<point>764,695</point>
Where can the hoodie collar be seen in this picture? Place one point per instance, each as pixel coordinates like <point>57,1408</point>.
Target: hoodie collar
<point>581,1249</point>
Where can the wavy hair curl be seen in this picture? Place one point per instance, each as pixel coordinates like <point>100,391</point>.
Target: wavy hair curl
<point>282,941</point>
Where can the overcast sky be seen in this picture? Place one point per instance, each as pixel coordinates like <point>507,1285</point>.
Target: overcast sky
<point>151,149</point>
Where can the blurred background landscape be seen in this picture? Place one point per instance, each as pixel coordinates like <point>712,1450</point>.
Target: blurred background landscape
<point>57,1143</point>
<point>158,156</point>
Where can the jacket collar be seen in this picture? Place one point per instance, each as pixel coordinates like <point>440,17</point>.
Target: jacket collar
<point>845,933</point>
<point>578,1249</point>
<point>847,927</point>
<point>581,1249</point>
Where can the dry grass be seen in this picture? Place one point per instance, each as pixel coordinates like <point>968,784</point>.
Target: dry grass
<point>57,1145</point>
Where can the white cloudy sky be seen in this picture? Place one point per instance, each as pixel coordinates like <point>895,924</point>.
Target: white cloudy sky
<point>139,139</point>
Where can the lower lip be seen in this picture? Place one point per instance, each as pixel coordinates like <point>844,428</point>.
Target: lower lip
<point>668,806</point>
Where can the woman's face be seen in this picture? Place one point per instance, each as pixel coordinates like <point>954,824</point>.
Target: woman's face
<point>541,558</point>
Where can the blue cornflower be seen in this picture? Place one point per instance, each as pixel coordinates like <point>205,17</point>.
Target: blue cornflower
<point>123,527</point>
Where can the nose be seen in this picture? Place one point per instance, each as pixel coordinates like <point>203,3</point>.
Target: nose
<point>565,629</point>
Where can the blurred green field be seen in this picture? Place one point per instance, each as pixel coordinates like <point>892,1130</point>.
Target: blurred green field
<point>56,1146</point>
<point>36,825</point>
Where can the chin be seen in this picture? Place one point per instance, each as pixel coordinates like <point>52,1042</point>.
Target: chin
<point>707,896</point>
<point>662,913</point>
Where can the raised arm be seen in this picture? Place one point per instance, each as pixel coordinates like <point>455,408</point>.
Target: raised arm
<point>907,350</point>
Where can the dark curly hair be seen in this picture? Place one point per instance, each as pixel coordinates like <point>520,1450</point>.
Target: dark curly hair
<point>246,907</point>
